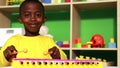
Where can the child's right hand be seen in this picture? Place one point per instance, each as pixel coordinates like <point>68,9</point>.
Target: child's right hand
<point>9,53</point>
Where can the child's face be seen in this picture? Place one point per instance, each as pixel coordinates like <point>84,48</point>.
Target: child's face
<point>32,17</point>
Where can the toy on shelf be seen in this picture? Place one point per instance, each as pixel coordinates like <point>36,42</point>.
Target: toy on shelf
<point>88,45</point>
<point>13,2</point>
<point>97,41</point>
<point>94,0</point>
<point>46,1</point>
<point>59,43</point>
<point>84,46</point>
<point>63,44</point>
<point>77,42</point>
<point>67,0</point>
<point>56,1</point>
<point>104,61</point>
<point>81,57</point>
<point>111,44</point>
<point>44,31</point>
<point>49,63</point>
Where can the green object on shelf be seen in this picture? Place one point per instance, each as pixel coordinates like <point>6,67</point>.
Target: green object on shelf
<point>89,46</point>
<point>77,45</point>
<point>62,1</point>
<point>82,0</point>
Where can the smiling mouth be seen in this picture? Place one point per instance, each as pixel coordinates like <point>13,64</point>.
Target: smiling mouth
<point>33,25</point>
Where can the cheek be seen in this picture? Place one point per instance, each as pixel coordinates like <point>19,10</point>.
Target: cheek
<point>26,20</point>
<point>39,19</point>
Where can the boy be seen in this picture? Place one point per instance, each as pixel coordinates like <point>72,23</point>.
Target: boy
<point>31,45</point>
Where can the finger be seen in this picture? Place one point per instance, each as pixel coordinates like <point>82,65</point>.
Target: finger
<point>56,51</point>
<point>14,52</point>
<point>11,58</point>
<point>52,49</point>
<point>12,47</point>
<point>51,52</point>
<point>56,57</point>
<point>9,48</point>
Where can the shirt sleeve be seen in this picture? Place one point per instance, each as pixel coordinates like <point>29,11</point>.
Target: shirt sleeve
<point>3,61</point>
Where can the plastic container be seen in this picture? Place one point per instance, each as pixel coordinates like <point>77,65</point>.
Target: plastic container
<point>56,1</point>
<point>46,1</point>
<point>67,0</point>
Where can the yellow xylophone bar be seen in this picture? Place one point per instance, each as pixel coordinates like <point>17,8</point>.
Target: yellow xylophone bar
<point>49,63</point>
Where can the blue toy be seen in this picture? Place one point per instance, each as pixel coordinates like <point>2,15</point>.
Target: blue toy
<point>111,44</point>
<point>59,43</point>
<point>46,1</point>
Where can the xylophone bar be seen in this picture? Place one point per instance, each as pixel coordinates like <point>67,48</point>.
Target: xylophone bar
<point>49,63</point>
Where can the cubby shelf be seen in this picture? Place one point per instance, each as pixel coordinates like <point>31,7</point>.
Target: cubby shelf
<point>112,49</point>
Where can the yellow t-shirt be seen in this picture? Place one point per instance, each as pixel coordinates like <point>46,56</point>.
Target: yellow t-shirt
<point>36,47</point>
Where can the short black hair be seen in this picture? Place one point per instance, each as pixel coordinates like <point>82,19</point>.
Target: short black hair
<point>27,1</point>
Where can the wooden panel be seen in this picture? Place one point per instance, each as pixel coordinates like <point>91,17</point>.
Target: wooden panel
<point>48,7</point>
<point>4,19</point>
<point>95,5</point>
<point>118,32</point>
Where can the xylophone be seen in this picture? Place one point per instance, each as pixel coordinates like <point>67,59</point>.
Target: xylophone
<point>49,63</point>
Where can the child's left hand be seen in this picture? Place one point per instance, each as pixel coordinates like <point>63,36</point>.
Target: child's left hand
<point>54,52</point>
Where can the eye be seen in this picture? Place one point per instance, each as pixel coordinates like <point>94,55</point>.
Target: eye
<point>27,15</point>
<point>38,15</point>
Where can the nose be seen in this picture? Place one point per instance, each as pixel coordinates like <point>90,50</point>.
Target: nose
<point>33,17</point>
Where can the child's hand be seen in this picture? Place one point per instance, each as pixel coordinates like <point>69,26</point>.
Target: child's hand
<point>10,53</point>
<point>54,52</point>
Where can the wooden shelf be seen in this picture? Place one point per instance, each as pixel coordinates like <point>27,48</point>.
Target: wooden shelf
<point>65,48</point>
<point>96,4</point>
<point>48,7</point>
<point>112,49</point>
<point>66,6</point>
<point>57,7</point>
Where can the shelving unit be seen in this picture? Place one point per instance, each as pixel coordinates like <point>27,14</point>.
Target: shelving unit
<point>75,6</point>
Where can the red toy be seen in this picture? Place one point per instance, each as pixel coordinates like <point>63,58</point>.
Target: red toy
<point>97,41</point>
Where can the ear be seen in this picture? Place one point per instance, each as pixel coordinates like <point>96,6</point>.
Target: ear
<point>44,19</point>
<point>19,19</point>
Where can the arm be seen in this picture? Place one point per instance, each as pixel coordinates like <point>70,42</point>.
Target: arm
<point>3,61</point>
<point>4,50</point>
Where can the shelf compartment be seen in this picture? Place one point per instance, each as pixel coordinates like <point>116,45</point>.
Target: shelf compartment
<point>93,1</point>
<point>67,52</point>
<point>48,7</point>
<point>110,56</point>
<point>92,22</point>
<point>95,5</point>
<point>106,49</point>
